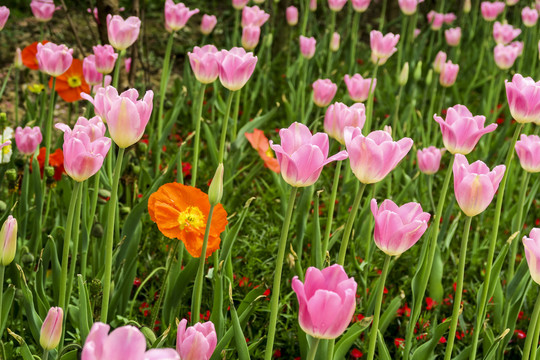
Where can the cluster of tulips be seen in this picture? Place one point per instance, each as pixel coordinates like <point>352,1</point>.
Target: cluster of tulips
<point>98,148</point>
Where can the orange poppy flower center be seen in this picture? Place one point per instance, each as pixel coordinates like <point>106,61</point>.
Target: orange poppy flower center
<point>192,216</point>
<point>269,153</point>
<point>74,81</point>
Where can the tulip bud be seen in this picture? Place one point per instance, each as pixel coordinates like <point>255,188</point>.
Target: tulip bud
<point>51,330</point>
<point>418,71</point>
<point>215,192</point>
<point>8,237</point>
<point>404,76</point>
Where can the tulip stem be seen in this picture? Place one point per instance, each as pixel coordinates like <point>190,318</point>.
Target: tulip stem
<point>276,287</point>
<point>349,225</point>
<point>224,127</point>
<point>371,94</point>
<point>425,271</point>
<point>331,206</point>
<point>313,349</point>
<point>481,306</point>
<point>459,289</point>
<point>533,324</point>
<point>113,204</point>
<point>196,146</point>
<point>519,224</point>
<point>377,311</point>
<point>48,129</point>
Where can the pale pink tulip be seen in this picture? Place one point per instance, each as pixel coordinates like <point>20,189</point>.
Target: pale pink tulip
<point>105,58</point>
<point>28,139</point>
<point>307,46</point>
<point>439,62</point>
<point>528,151</point>
<point>382,47</point>
<point>204,63</point>
<point>122,33</point>
<point>338,116</point>
<point>461,130</point>
<point>51,330</point>
<point>253,16</point>
<point>336,5</point>
<point>4,14</point>
<point>91,75</point>
<point>208,23</point>
<point>504,33</point>
<point>177,15</point>
<point>196,342</point>
<point>8,236</point>
<point>529,16</point>
<point>250,36</point>
<point>302,156</point>
<point>327,300</point>
<point>358,87</point>
<point>324,91</point>
<point>43,10</point>
<point>235,67</point>
<point>453,36</point>
<point>449,74</point>
<point>54,60</point>
<point>532,253</point>
<point>360,5</point>
<point>292,16</point>
<point>505,55</point>
<point>429,160</point>
<point>490,10</point>
<point>523,96</point>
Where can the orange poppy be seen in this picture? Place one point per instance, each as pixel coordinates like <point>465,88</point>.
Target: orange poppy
<point>29,55</point>
<point>181,211</point>
<point>260,143</point>
<point>56,160</point>
<point>71,84</point>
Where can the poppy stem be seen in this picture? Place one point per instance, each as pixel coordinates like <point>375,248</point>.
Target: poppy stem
<point>532,335</point>
<point>276,287</point>
<point>111,213</point>
<point>377,311</point>
<point>349,225</point>
<point>196,145</point>
<point>313,349</point>
<point>197,289</point>
<point>459,289</point>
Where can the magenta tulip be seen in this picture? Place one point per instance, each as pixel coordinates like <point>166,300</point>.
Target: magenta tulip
<point>208,23</point>
<point>453,36</point>
<point>504,33</point>
<point>54,60</point>
<point>382,47</point>
<point>360,5</point>
<point>253,16</point>
<point>292,15</point>
<point>358,87</point>
<point>398,228</point>
<point>196,342</point>
<point>338,116</point>
<point>91,75</point>
<point>235,67</point>
<point>336,5</point>
<point>43,10</point>
<point>523,99</point>
<point>474,184</point>
<point>506,55</point>
<point>449,74</point>
<point>324,91</point>
<point>122,33</point>
<point>4,14</point>
<point>372,157</point>
<point>105,58</point>
<point>532,253</point>
<point>204,63</point>
<point>302,156</point>
<point>8,238</point>
<point>307,46</point>
<point>250,37</point>
<point>528,151</point>
<point>177,15</point>
<point>429,160</point>
<point>490,10</point>
<point>51,330</point>
<point>327,300</point>
<point>439,62</point>
<point>28,139</point>
<point>529,16</point>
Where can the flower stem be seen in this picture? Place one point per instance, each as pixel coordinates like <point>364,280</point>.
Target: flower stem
<point>481,306</point>
<point>224,127</point>
<point>459,289</point>
<point>519,224</point>
<point>377,311</point>
<point>197,289</point>
<point>349,225</point>
<point>371,94</point>
<point>533,329</point>
<point>113,204</point>
<point>313,349</point>
<point>276,287</point>
<point>196,146</point>
<point>331,206</point>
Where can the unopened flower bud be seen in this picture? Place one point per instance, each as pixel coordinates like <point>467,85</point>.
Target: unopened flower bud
<point>215,192</point>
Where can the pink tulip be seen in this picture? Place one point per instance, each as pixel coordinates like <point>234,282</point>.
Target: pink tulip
<point>336,5</point>
<point>91,75</point>
<point>449,18</point>
<point>334,43</point>
<point>360,5</point>
<point>28,139</point>
<point>51,330</point>
<point>302,156</point>
<point>161,354</point>
<point>250,36</point>
<point>398,228</point>
<point>490,10</point>
<point>449,74</point>
<point>204,63</point>
<point>382,47</point>
<point>208,23</point>
<point>528,151</point>
<point>196,342</point>
<point>474,184</point>
<point>123,33</point>
<point>429,160</point>
<point>440,61</point>
<point>327,300</point>
<point>435,19</point>
<point>239,4</point>
<point>358,87</point>
<point>504,33</point>
<point>461,130</point>
<point>176,16</point>
<point>253,16</point>
<point>105,58</point>
<point>453,36</point>
<point>292,16</point>
<point>338,116</point>
<point>8,236</point>
<point>235,67</point>
<point>324,91</point>
<point>4,14</point>
<point>505,56</point>
<point>54,60</point>
<point>312,5</point>
<point>18,62</point>
<point>372,157</point>
<point>307,46</point>
<point>532,253</point>
<point>524,99</point>
<point>126,342</point>
<point>529,16</point>
<point>43,10</point>
<point>408,7</point>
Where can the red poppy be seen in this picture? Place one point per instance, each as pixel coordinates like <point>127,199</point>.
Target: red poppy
<point>71,84</point>
<point>56,160</point>
<point>29,55</point>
